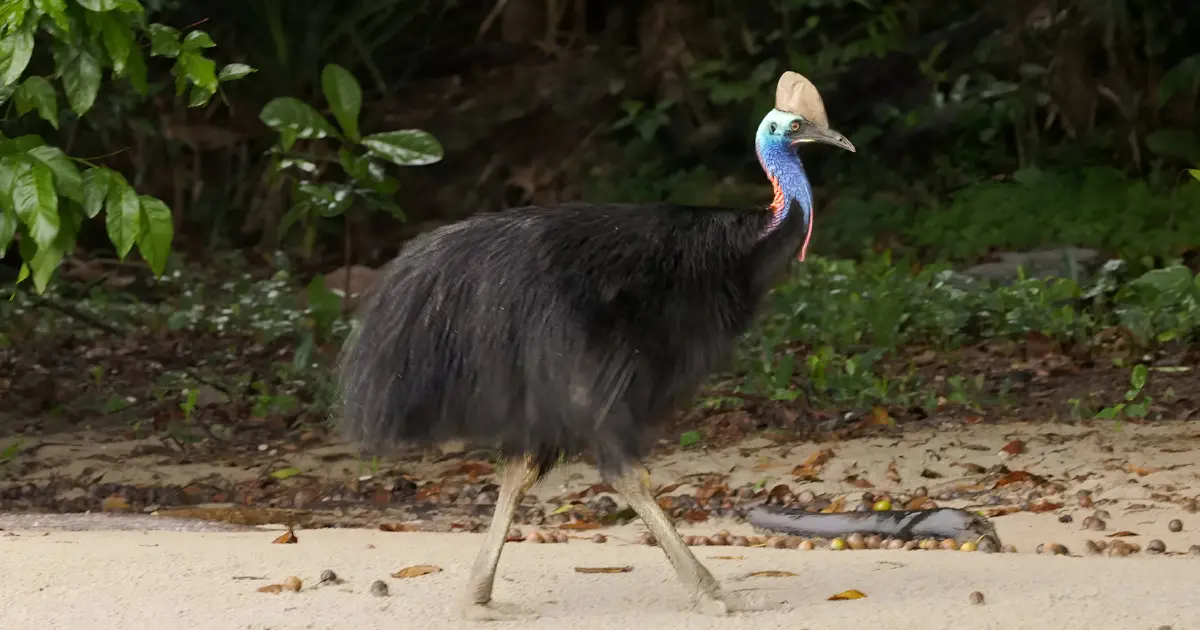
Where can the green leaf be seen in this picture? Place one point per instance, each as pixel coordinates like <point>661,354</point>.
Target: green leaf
<point>99,5</point>
<point>36,201</point>
<point>123,216</point>
<point>158,228</point>
<point>235,71</point>
<point>1182,144</point>
<point>8,228</point>
<point>690,438</point>
<point>38,93</point>
<point>1138,377</point>
<point>294,116</point>
<point>1195,173</point>
<point>345,97</point>
<point>119,41</point>
<point>12,14</point>
<point>200,70</point>
<point>164,41</point>
<point>135,70</point>
<point>43,263</point>
<point>81,76</point>
<point>20,144</point>
<point>406,147</point>
<point>196,41</point>
<point>66,175</point>
<point>285,473</point>
<point>329,199</point>
<point>57,10</point>
<point>16,49</point>
<point>96,183</point>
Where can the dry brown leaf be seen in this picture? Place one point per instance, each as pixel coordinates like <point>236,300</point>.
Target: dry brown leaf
<point>416,571</point>
<point>1140,471</point>
<point>397,527</point>
<point>850,594</point>
<point>1122,534</point>
<point>603,569</point>
<point>580,525</point>
<point>772,574</point>
<point>813,465</point>
<point>1016,476</point>
<point>1003,510</point>
<point>288,538</point>
<point>1044,506</point>
<point>973,469</point>
<point>917,503</point>
<point>114,503</point>
<point>271,588</point>
<point>671,487</point>
<point>838,505</point>
<point>892,474</point>
<point>1013,448</point>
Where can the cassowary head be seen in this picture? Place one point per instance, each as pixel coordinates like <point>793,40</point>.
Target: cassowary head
<point>799,116</point>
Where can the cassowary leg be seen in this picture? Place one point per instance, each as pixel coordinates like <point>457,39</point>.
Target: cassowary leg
<point>518,476</point>
<point>634,486</point>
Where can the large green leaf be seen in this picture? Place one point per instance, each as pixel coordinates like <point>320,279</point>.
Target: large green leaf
<point>37,93</point>
<point>36,200</point>
<point>8,227</point>
<point>294,116</point>
<point>200,70</point>
<point>81,79</point>
<point>66,175</point>
<point>123,215</point>
<point>158,228</point>
<point>99,5</point>
<point>197,40</point>
<point>96,183</point>
<point>16,49</point>
<point>12,14</point>
<point>119,40</point>
<point>57,10</point>
<point>345,97</point>
<point>406,147</point>
<point>164,41</point>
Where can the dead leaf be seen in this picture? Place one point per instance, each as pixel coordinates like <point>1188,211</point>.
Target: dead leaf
<point>850,594</point>
<point>288,538</point>
<point>772,574</point>
<point>859,482</point>
<point>397,527</point>
<point>603,569</point>
<point>271,588</point>
<point>727,557</point>
<point>1012,449</point>
<point>1017,476</point>
<point>416,571</point>
<point>813,465</point>
<point>880,416</point>
<point>114,503</point>
<point>892,474</point>
<point>474,470</point>
<point>1122,534</point>
<point>580,525</point>
<point>930,474</point>
<point>1044,506</point>
<point>838,505</point>
<point>1140,471</point>
<point>917,503</point>
<point>973,469</point>
<point>671,487</point>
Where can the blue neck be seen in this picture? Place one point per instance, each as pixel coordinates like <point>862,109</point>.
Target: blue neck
<point>786,172</point>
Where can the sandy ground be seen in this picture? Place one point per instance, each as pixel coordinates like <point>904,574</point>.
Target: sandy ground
<point>149,577</point>
<point>119,580</point>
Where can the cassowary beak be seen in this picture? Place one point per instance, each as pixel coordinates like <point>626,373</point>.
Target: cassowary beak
<point>826,136</point>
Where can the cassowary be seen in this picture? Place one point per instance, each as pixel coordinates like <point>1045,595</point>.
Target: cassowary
<point>577,329</point>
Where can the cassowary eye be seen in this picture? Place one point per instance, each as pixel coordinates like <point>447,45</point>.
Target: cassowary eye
<point>795,125</point>
<point>774,127</point>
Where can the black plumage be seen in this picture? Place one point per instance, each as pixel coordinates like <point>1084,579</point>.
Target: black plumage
<point>577,329</point>
<point>566,330</point>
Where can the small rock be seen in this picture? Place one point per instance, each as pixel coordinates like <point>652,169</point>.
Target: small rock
<point>1175,525</point>
<point>1156,547</point>
<point>379,588</point>
<point>328,576</point>
<point>977,598</point>
<point>599,539</point>
<point>1066,518</point>
<point>1194,550</point>
<point>1102,515</point>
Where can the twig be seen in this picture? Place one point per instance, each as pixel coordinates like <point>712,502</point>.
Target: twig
<point>491,17</point>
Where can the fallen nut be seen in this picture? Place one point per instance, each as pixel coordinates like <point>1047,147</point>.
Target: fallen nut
<point>379,588</point>
<point>976,598</point>
<point>1175,525</point>
<point>1156,546</point>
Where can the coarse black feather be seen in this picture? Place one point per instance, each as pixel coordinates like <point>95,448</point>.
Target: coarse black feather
<point>557,331</point>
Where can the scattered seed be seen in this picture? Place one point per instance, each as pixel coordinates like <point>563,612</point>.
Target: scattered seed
<point>1009,548</point>
<point>1156,547</point>
<point>599,539</point>
<point>837,544</point>
<point>1085,501</point>
<point>949,544</point>
<point>874,541</point>
<point>968,546</point>
<point>1094,524</point>
<point>1066,518</point>
<point>515,534</point>
<point>1191,506</point>
<point>856,541</point>
<point>646,539</point>
<point>718,540</point>
<point>895,543</point>
<point>739,541</point>
<point>328,576</point>
<point>1091,547</point>
<point>1194,550</point>
<point>777,543</point>
<point>806,545</point>
<point>977,598</point>
<point>882,505</point>
<point>535,537</point>
<point>1053,549</point>
<point>292,583</point>
<point>1102,515</point>
<point>1175,525</point>
<point>921,491</point>
<point>911,545</point>
<point>929,544</point>
<point>1118,549</point>
<point>379,588</point>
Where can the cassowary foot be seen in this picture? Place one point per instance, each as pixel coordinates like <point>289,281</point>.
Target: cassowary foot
<point>494,611</point>
<point>720,603</point>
